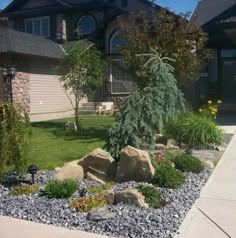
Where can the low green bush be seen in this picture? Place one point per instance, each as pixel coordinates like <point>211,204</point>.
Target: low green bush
<point>61,189</point>
<point>168,177</point>
<point>25,189</point>
<point>195,131</point>
<point>86,204</point>
<point>188,163</point>
<point>152,197</point>
<point>101,188</point>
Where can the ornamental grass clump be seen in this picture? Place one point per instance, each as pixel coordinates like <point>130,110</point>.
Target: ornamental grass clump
<point>195,131</point>
<point>168,177</point>
<point>152,197</point>
<point>15,136</point>
<point>86,204</point>
<point>25,190</point>
<point>145,112</point>
<point>61,189</point>
<point>188,163</point>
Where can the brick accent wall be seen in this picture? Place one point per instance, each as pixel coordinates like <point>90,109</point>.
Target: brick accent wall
<point>21,89</point>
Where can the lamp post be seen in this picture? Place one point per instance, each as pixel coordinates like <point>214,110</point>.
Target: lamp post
<point>33,169</point>
<point>8,75</point>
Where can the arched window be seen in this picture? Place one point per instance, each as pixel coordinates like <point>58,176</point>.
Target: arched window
<point>86,25</point>
<point>116,42</point>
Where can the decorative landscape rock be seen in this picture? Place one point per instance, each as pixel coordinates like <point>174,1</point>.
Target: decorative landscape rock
<point>160,147</point>
<point>101,213</point>
<point>70,171</point>
<point>100,164</point>
<point>131,197</point>
<point>134,165</point>
<point>109,196</point>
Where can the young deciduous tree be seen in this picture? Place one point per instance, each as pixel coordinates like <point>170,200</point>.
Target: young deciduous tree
<point>81,71</point>
<point>171,35</point>
<point>144,112</point>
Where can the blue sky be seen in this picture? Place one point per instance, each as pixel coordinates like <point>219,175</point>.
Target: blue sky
<point>174,5</point>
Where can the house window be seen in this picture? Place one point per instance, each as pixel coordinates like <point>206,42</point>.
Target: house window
<point>39,26</point>
<point>121,82</point>
<point>86,25</point>
<point>116,42</point>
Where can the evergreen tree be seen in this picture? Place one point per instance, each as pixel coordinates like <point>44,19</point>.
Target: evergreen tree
<point>144,112</point>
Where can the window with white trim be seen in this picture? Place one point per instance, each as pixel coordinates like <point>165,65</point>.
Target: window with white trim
<point>121,82</point>
<point>116,42</point>
<point>39,26</point>
<point>86,25</point>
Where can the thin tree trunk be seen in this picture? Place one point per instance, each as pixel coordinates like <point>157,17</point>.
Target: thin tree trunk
<point>77,112</point>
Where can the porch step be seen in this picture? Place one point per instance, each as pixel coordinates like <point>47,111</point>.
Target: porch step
<point>87,108</point>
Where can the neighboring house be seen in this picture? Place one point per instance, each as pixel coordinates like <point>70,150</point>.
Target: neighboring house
<point>71,20</point>
<point>35,84</point>
<point>218,18</point>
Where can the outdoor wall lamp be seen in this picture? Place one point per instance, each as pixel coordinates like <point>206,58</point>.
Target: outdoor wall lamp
<point>33,169</point>
<point>8,76</point>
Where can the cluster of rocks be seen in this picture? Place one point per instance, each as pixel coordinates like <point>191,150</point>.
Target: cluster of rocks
<point>119,220</point>
<point>129,214</point>
<point>134,165</point>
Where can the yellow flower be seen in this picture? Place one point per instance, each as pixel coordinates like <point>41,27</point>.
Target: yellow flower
<point>200,110</point>
<point>219,101</point>
<point>209,102</point>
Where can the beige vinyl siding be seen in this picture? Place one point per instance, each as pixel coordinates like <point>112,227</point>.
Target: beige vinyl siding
<point>47,95</point>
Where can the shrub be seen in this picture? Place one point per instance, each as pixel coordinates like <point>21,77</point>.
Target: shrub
<point>168,177</point>
<point>144,112</point>
<point>25,189</point>
<point>101,188</point>
<point>188,163</point>
<point>14,137</point>
<point>195,131</point>
<point>152,196</point>
<point>61,189</point>
<point>86,204</point>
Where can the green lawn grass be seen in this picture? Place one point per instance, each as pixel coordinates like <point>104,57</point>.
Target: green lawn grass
<point>52,146</point>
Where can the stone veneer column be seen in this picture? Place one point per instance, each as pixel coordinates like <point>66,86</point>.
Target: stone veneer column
<point>21,89</point>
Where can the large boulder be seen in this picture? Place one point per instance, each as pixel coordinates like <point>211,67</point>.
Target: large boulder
<point>70,171</point>
<point>131,197</point>
<point>134,165</point>
<point>99,164</point>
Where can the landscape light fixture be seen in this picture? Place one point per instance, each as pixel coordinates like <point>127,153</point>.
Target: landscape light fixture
<point>8,75</point>
<point>33,169</point>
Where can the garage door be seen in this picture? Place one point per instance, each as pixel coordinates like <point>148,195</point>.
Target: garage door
<point>47,95</point>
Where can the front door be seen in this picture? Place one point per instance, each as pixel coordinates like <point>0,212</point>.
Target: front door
<point>228,80</point>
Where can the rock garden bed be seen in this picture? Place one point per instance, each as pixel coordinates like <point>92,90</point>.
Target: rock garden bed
<point>126,212</point>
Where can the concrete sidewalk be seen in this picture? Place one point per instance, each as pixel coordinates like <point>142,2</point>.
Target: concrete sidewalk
<point>214,213</point>
<point>13,228</point>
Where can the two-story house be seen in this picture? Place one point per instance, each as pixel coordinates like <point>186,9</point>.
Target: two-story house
<point>218,18</point>
<point>64,21</point>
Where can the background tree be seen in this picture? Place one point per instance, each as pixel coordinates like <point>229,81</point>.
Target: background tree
<point>81,71</point>
<point>144,112</point>
<point>171,35</point>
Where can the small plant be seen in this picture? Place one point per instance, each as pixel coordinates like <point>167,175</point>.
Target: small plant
<point>188,163</point>
<point>101,188</point>
<point>195,131</point>
<point>25,189</point>
<point>86,204</point>
<point>61,189</point>
<point>152,196</point>
<point>211,109</point>
<point>168,177</point>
